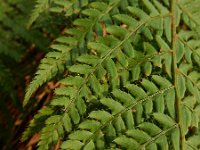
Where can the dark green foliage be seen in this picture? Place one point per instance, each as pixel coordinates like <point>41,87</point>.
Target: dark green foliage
<point>15,41</point>
<point>133,77</point>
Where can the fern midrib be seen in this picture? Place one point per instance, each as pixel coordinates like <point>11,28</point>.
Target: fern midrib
<point>175,75</point>
<point>148,57</point>
<point>157,136</point>
<point>186,44</point>
<point>135,103</point>
<point>190,79</point>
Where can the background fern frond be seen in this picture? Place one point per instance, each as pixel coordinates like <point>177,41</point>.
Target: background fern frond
<point>41,5</point>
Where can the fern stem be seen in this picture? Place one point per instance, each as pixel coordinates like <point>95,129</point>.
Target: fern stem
<point>175,72</point>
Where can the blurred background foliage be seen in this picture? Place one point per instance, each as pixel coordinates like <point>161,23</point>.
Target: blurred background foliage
<point>21,49</point>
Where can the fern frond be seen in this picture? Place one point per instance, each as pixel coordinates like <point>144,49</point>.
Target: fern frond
<point>56,59</point>
<point>118,111</point>
<point>49,68</point>
<point>133,82</point>
<point>6,80</point>
<point>68,8</point>
<point>41,5</point>
<point>8,51</point>
<point>37,123</point>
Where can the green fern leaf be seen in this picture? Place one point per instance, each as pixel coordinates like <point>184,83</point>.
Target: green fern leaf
<point>133,77</point>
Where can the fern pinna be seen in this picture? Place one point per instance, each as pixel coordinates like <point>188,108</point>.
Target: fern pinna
<point>133,77</point>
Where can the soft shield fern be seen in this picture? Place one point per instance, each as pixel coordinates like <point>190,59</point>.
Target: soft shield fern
<point>133,77</point>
